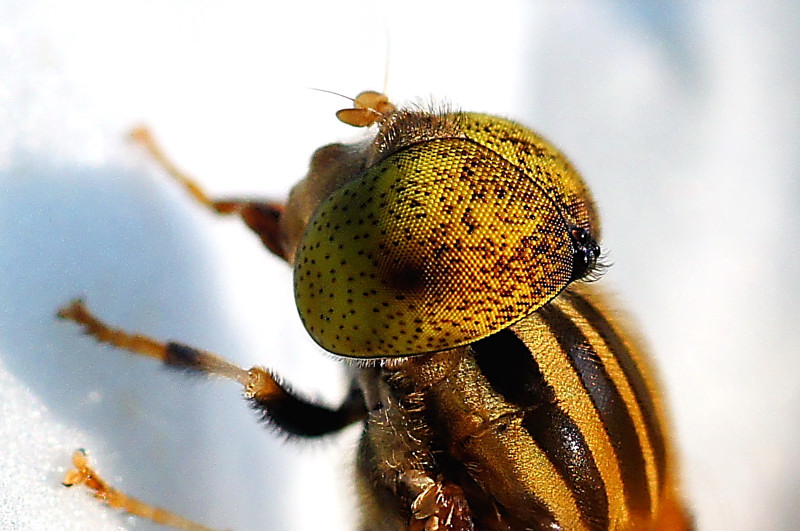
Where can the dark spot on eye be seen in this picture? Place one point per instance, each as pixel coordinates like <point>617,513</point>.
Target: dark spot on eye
<point>405,276</point>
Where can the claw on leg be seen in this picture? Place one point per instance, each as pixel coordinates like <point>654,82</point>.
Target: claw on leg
<point>441,506</point>
<point>83,474</point>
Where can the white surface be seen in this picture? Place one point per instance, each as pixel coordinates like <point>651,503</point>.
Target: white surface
<point>33,441</point>
<point>684,120</point>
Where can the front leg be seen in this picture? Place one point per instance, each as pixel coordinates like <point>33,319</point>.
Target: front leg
<point>275,401</point>
<point>400,490</point>
<point>403,482</point>
<point>83,474</point>
<point>441,506</point>
<point>262,217</point>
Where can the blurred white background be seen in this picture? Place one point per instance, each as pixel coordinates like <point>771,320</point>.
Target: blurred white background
<point>683,119</point>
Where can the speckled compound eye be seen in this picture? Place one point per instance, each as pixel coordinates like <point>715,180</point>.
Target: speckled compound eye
<point>438,245</point>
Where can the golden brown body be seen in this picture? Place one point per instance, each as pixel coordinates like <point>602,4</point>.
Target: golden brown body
<point>500,393</point>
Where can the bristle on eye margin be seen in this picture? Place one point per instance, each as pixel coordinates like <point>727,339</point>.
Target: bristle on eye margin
<point>596,272</point>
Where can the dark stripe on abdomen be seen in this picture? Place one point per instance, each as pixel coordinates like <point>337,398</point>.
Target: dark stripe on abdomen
<point>511,370</point>
<point>634,375</point>
<point>608,402</point>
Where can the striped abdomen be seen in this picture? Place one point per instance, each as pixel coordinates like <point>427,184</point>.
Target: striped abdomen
<point>554,420</point>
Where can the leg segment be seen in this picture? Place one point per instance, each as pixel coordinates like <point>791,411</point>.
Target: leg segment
<point>83,474</point>
<point>415,499</point>
<point>442,506</point>
<point>261,216</point>
<point>276,403</point>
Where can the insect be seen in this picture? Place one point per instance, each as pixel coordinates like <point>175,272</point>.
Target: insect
<point>446,255</point>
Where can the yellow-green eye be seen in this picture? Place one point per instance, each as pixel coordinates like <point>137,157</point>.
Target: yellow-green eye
<point>437,245</point>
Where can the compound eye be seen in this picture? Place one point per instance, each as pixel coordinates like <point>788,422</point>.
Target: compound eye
<point>586,252</point>
<point>440,244</point>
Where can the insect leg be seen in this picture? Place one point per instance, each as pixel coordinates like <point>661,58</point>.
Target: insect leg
<point>261,216</point>
<point>273,400</point>
<point>399,475</point>
<point>440,505</point>
<point>83,474</point>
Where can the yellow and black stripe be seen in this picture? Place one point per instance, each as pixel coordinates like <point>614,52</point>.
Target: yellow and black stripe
<point>570,432</point>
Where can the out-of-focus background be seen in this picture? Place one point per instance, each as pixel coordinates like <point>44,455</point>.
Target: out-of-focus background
<point>684,119</point>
